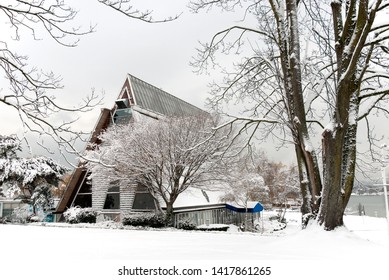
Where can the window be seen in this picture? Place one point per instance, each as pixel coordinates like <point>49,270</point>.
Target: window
<point>123,111</point>
<point>112,200</point>
<point>84,195</point>
<point>9,207</point>
<point>122,116</point>
<point>143,199</point>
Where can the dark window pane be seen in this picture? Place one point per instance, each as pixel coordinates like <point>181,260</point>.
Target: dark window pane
<point>7,212</point>
<point>83,200</point>
<point>122,116</point>
<point>114,189</point>
<point>141,188</point>
<point>86,185</point>
<point>143,201</point>
<point>112,201</point>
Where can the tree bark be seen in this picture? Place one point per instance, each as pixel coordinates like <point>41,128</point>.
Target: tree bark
<point>339,156</point>
<point>169,213</point>
<point>310,182</point>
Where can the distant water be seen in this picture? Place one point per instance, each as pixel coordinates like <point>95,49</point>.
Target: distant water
<point>374,205</point>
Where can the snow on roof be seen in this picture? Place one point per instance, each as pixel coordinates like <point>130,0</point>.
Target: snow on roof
<point>197,197</point>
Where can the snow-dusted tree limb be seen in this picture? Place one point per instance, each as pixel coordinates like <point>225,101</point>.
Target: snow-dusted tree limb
<point>124,7</point>
<point>217,43</point>
<point>52,16</point>
<point>227,5</point>
<point>28,89</point>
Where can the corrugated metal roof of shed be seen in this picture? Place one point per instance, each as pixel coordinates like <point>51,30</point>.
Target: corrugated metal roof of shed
<point>154,99</point>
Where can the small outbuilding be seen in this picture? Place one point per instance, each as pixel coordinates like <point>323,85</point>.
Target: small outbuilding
<point>218,213</point>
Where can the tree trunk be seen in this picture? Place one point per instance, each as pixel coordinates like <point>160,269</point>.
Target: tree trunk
<point>331,213</point>
<point>339,156</point>
<point>309,174</point>
<point>169,214</point>
<point>338,179</point>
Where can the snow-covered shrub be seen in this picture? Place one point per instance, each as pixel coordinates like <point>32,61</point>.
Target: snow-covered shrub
<point>186,225</point>
<point>155,220</point>
<point>75,215</point>
<point>21,214</point>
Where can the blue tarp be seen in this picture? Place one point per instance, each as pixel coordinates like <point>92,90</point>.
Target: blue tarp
<point>255,208</point>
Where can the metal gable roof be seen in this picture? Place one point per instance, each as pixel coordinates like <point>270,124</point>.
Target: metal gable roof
<point>154,99</point>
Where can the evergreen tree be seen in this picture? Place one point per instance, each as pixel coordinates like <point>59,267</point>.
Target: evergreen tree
<point>29,179</point>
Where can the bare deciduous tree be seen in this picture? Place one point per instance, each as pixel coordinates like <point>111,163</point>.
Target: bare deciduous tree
<point>282,181</point>
<point>167,156</point>
<point>307,63</point>
<point>253,177</point>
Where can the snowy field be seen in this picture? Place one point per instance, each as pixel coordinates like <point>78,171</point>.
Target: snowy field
<point>358,251</point>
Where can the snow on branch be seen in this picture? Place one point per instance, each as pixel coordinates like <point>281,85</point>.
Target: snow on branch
<point>124,7</point>
<point>206,54</point>
<point>51,15</point>
<point>28,89</point>
<point>226,5</point>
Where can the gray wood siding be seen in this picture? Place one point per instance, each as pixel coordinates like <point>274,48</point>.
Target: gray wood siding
<point>127,194</point>
<point>99,191</point>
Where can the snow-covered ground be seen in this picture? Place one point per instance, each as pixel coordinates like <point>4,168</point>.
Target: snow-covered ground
<point>54,251</point>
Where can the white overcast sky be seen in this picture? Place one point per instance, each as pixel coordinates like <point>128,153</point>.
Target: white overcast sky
<point>157,53</point>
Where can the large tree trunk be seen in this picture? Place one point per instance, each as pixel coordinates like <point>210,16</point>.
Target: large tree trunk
<point>331,213</point>
<point>339,156</point>
<point>339,140</point>
<point>309,173</point>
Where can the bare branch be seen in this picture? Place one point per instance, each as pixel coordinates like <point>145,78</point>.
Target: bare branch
<point>226,5</point>
<point>124,7</point>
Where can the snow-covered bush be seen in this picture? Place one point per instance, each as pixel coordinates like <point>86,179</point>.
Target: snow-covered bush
<point>21,214</point>
<point>186,225</point>
<point>75,215</point>
<point>155,220</point>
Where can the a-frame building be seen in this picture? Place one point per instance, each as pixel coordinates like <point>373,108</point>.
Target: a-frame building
<point>137,99</point>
